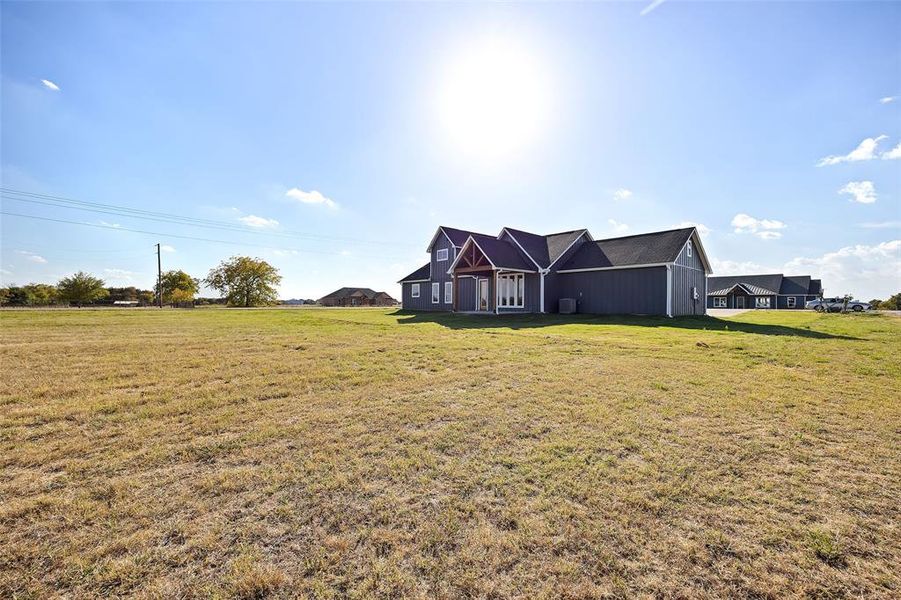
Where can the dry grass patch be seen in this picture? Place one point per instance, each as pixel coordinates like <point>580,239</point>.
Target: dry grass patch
<point>342,453</point>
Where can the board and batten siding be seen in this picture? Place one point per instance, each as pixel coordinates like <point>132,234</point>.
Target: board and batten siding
<point>552,280</point>
<point>617,291</point>
<point>688,272</point>
<point>439,275</point>
<point>466,298</point>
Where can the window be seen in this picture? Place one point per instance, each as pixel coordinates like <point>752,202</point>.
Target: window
<point>719,302</point>
<point>790,302</point>
<point>688,249</point>
<point>761,302</point>
<point>511,290</point>
<point>414,291</point>
<point>442,255</point>
<point>436,293</point>
<point>448,292</point>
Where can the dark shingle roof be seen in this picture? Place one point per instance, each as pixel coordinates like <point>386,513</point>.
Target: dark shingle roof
<point>423,272</point>
<point>457,236</point>
<point>795,284</point>
<point>765,284</point>
<point>503,254</point>
<point>816,287</point>
<point>348,291</point>
<point>645,248</point>
<point>545,249</point>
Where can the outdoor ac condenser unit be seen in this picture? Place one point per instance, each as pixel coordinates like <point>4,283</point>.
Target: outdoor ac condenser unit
<point>567,306</point>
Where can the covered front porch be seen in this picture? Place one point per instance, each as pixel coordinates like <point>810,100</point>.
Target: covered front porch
<point>480,286</point>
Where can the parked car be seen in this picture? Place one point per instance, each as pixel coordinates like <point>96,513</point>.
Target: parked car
<point>835,305</point>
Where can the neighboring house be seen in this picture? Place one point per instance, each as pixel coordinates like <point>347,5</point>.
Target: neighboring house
<point>661,273</point>
<point>762,291</point>
<point>351,296</point>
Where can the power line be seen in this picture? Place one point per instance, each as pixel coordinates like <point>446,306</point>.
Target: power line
<point>124,211</point>
<point>184,237</point>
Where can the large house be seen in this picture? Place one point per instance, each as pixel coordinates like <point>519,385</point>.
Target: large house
<point>660,273</point>
<point>353,296</point>
<point>762,291</point>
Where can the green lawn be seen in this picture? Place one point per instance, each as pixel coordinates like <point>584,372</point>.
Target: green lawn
<point>370,453</point>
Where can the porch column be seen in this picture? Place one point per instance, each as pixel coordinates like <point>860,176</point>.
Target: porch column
<point>456,291</point>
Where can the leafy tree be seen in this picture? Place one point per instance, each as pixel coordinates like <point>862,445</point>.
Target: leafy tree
<point>41,294</point>
<point>178,286</point>
<point>4,296</point>
<point>245,281</point>
<point>128,294</point>
<point>893,302</point>
<point>81,288</point>
<point>145,297</point>
<point>16,296</point>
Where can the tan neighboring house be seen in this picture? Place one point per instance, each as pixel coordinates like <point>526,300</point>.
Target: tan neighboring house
<point>353,296</point>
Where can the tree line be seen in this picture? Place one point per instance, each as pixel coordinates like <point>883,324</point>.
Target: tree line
<point>240,281</point>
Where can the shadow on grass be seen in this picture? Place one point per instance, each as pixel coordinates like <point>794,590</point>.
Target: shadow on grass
<point>532,321</point>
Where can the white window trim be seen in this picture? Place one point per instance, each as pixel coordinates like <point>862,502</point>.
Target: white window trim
<point>436,293</point>
<point>688,248</point>
<point>762,302</point>
<point>448,292</point>
<point>519,301</point>
<point>719,302</point>
<point>414,291</point>
<point>438,255</point>
<point>790,302</point>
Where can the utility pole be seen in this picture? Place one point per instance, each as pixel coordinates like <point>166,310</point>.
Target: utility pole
<point>159,276</point>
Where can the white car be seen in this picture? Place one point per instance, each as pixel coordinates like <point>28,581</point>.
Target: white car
<point>835,305</point>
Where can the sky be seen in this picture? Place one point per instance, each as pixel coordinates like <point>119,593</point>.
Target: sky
<point>332,139</point>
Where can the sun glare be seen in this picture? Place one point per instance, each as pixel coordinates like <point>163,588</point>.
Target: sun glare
<point>494,99</point>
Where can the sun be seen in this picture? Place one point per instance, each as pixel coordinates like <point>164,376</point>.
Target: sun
<point>494,99</point>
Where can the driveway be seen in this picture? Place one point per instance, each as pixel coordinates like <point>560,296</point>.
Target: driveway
<point>726,312</point>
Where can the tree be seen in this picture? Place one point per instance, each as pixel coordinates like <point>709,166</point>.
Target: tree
<point>178,286</point>
<point>41,294</point>
<point>145,297</point>
<point>81,288</point>
<point>893,302</point>
<point>245,281</point>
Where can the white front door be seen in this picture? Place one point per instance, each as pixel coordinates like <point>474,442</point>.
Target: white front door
<point>483,294</point>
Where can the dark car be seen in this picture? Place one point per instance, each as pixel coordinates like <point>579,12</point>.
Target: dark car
<point>836,304</point>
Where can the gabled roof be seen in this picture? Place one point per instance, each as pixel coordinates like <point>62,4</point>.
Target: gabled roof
<point>457,237</point>
<point>544,249</point>
<point>751,289</point>
<point>502,254</point>
<point>768,284</point>
<point>642,249</point>
<point>773,283</point>
<point>420,274</point>
<point>346,292</point>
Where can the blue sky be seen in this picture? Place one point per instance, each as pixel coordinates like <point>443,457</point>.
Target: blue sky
<point>578,115</point>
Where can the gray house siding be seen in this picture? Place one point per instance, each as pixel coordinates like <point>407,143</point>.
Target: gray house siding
<point>439,275</point>
<point>688,274</point>
<point>424,302</point>
<point>466,294</point>
<point>617,291</point>
<point>552,280</point>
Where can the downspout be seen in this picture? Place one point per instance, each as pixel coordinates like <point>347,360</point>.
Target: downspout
<point>542,273</point>
<point>669,290</point>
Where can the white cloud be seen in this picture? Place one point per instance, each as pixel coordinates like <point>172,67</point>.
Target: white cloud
<point>622,194</point>
<point>765,229</point>
<point>50,85</point>
<point>702,229</point>
<point>312,197</point>
<point>887,99</point>
<point>105,224</point>
<point>865,271</point>
<point>345,253</point>
<point>894,153</point>
<point>732,267</point>
<point>881,225</point>
<point>167,248</point>
<point>863,192</point>
<point>654,4</point>
<point>866,150</point>
<point>259,222</point>
<point>617,226</point>
<point>31,256</point>
<point>119,275</point>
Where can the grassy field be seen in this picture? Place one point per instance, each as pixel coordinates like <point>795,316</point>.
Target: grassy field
<point>370,453</point>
